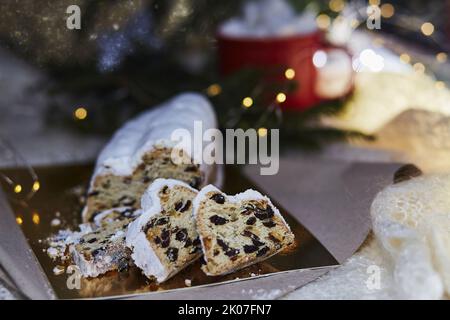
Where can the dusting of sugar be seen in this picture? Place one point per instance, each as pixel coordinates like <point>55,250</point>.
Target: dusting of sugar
<point>52,252</point>
<point>59,242</point>
<point>262,294</point>
<point>55,222</point>
<point>58,270</point>
<point>349,281</point>
<point>117,235</point>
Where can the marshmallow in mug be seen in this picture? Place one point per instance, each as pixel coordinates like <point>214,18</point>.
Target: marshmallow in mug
<point>269,18</point>
<point>334,73</point>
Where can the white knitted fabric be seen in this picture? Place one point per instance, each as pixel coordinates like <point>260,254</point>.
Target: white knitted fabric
<point>411,249</point>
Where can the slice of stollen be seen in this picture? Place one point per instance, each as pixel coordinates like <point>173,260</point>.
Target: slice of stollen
<point>163,239</point>
<point>104,249</point>
<point>237,231</point>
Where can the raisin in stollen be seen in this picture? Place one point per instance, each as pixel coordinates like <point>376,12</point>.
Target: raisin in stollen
<point>115,215</point>
<point>141,151</point>
<point>237,231</point>
<point>163,239</point>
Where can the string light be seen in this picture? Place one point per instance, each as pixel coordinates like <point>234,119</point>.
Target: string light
<point>80,113</point>
<point>214,90</point>
<point>289,74</point>
<point>18,188</point>
<point>320,59</point>
<point>405,58</point>
<point>427,28</point>
<point>371,60</point>
<point>440,85</point>
<point>36,186</point>
<point>336,5</point>
<point>419,68</point>
<point>281,97</point>
<point>354,23</point>
<point>262,132</point>
<point>441,57</point>
<point>36,219</point>
<point>247,102</point>
<point>19,220</point>
<point>323,21</point>
<point>378,42</point>
<point>387,10</point>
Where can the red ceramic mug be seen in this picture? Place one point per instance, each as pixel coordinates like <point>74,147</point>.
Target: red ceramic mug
<point>298,52</point>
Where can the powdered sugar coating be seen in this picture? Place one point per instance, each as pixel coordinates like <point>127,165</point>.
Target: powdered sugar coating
<point>59,243</point>
<point>143,255</point>
<point>153,129</point>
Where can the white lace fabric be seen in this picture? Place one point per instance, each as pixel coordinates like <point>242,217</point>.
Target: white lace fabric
<point>410,250</point>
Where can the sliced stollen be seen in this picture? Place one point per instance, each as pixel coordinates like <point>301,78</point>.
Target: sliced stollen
<point>163,239</point>
<point>237,231</point>
<point>104,249</point>
<point>141,151</point>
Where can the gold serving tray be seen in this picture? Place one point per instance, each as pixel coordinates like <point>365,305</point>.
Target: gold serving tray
<point>60,196</point>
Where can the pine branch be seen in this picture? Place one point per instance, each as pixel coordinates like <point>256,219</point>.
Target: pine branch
<point>315,138</point>
<point>149,76</point>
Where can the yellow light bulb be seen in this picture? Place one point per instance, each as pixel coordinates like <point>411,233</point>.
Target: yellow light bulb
<point>262,132</point>
<point>378,42</point>
<point>336,5</point>
<point>427,28</point>
<point>419,68</point>
<point>354,23</point>
<point>19,220</point>
<point>281,97</point>
<point>36,186</point>
<point>440,85</point>
<point>289,74</point>
<point>387,10</point>
<point>80,113</point>
<point>405,58</point>
<point>323,21</point>
<point>214,90</point>
<point>247,102</point>
<point>441,57</point>
<point>36,219</point>
<point>18,188</point>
